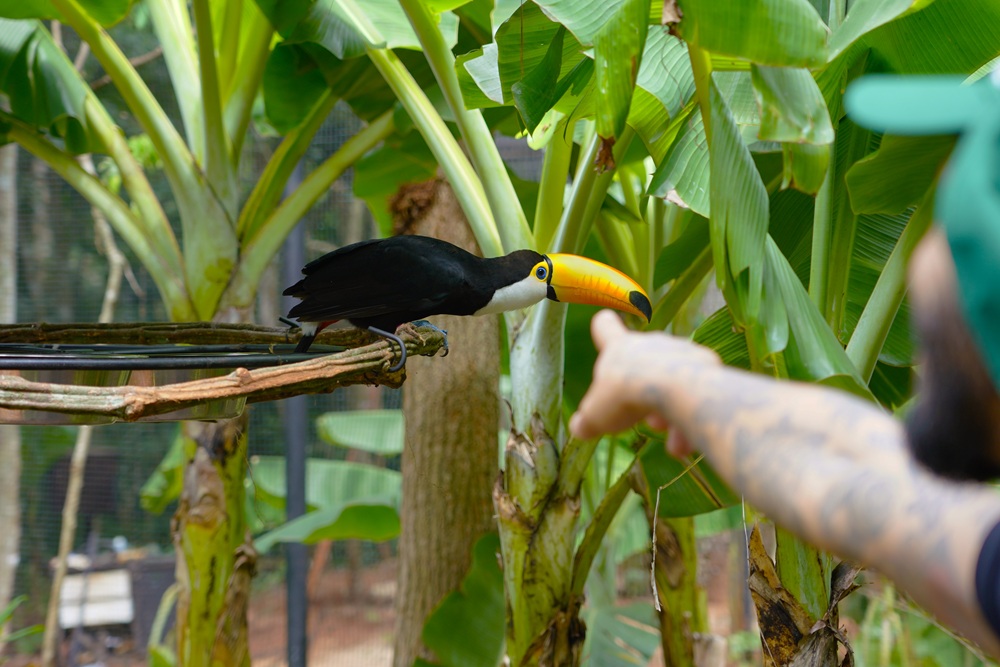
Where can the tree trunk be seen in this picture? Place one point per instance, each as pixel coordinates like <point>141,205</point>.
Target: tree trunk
<point>213,592</point>
<point>10,436</point>
<point>449,464</point>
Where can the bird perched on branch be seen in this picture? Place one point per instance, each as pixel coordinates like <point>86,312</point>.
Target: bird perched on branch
<point>381,284</point>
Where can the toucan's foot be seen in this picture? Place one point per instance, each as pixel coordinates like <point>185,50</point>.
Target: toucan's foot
<point>398,341</point>
<point>443,332</point>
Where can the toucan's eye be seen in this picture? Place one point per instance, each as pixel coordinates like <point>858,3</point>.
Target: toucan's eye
<point>541,273</point>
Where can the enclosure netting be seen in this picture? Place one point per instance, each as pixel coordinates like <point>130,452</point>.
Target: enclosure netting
<point>61,278</point>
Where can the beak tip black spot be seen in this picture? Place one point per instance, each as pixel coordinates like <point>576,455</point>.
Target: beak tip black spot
<point>641,303</point>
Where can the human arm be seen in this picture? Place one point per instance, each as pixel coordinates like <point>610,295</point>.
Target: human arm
<point>828,466</point>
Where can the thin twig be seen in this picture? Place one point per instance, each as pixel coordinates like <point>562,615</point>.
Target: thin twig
<point>116,268</point>
<point>81,56</point>
<point>656,514</point>
<point>137,61</point>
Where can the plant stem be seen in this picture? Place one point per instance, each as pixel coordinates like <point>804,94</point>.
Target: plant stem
<point>880,311</point>
<point>261,246</point>
<point>456,166</point>
<point>217,166</point>
<point>552,187</point>
<point>512,224</point>
<point>171,23</point>
<point>821,239</point>
<point>590,544</point>
<point>587,196</point>
<point>619,244</point>
<point>271,184</point>
<point>246,80</point>
<point>701,66</point>
<point>177,160</point>
<point>685,285</point>
<point>121,217</point>
<point>151,215</point>
<point>229,35</point>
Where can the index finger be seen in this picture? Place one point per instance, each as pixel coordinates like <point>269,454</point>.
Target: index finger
<point>606,326</point>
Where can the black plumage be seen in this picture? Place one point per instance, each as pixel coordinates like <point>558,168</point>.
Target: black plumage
<point>383,283</point>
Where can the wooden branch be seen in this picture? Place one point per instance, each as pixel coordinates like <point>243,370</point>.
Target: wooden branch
<point>363,365</point>
<point>170,333</point>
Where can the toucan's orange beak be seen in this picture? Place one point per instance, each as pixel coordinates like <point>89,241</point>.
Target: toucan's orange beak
<point>578,279</point>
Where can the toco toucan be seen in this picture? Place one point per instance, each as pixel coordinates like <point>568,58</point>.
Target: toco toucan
<point>382,283</point>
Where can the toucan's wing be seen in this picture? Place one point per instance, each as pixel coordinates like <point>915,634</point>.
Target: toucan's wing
<point>377,280</point>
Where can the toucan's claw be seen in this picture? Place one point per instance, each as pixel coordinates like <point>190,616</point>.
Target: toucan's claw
<point>443,332</point>
<point>398,341</point>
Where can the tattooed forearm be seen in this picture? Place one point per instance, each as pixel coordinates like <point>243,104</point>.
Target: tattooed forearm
<point>836,471</point>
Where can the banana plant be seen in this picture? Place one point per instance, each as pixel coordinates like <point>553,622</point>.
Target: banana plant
<point>738,110</point>
<point>681,140</point>
<point>207,267</point>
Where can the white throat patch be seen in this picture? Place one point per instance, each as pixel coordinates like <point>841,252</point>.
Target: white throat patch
<point>523,293</point>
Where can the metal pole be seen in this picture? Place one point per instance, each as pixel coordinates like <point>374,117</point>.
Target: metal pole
<point>296,433</point>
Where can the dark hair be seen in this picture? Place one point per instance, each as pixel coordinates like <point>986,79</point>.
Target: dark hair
<point>954,428</point>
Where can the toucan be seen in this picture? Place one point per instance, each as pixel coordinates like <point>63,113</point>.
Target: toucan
<point>381,284</point>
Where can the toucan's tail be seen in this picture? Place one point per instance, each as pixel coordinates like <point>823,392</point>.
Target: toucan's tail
<point>309,331</point>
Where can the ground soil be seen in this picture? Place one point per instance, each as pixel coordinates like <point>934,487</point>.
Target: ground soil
<point>342,632</point>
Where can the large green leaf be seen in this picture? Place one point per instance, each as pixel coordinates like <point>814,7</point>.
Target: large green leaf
<point>330,483</point>
<point>684,492</point>
<point>165,484</point>
<point>682,177</point>
<point>876,237</point>
<point>479,77</point>
<point>584,18</point>
<point>373,519</point>
<point>805,166</point>
<point>540,89</point>
<point>719,333</point>
<point>28,9</point>
<point>782,33</point>
<point>292,85</point>
<point>467,628</point>
<point>105,12</point>
<point>949,36</point>
<point>794,112</point>
<point>331,24</point>
<point>620,635</point>
<point>523,44</point>
<point>664,86</point>
<point>739,219</point>
<point>376,431</point>
<point>618,50</point>
<point>379,175</point>
<point>792,107</point>
<point>866,15</point>
<point>677,256</point>
<point>813,353</point>
<point>898,174</point>
<point>43,88</point>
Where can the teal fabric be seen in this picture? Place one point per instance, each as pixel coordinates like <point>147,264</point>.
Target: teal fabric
<point>968,198</point>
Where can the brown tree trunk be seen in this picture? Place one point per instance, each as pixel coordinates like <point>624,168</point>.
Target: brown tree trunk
<point>10,436</point>
<point>451,406</point>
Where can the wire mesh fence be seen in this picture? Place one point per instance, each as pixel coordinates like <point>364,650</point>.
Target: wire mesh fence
<point>61,278</point>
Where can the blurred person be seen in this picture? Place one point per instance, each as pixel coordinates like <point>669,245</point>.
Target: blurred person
<point>904,498</point>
